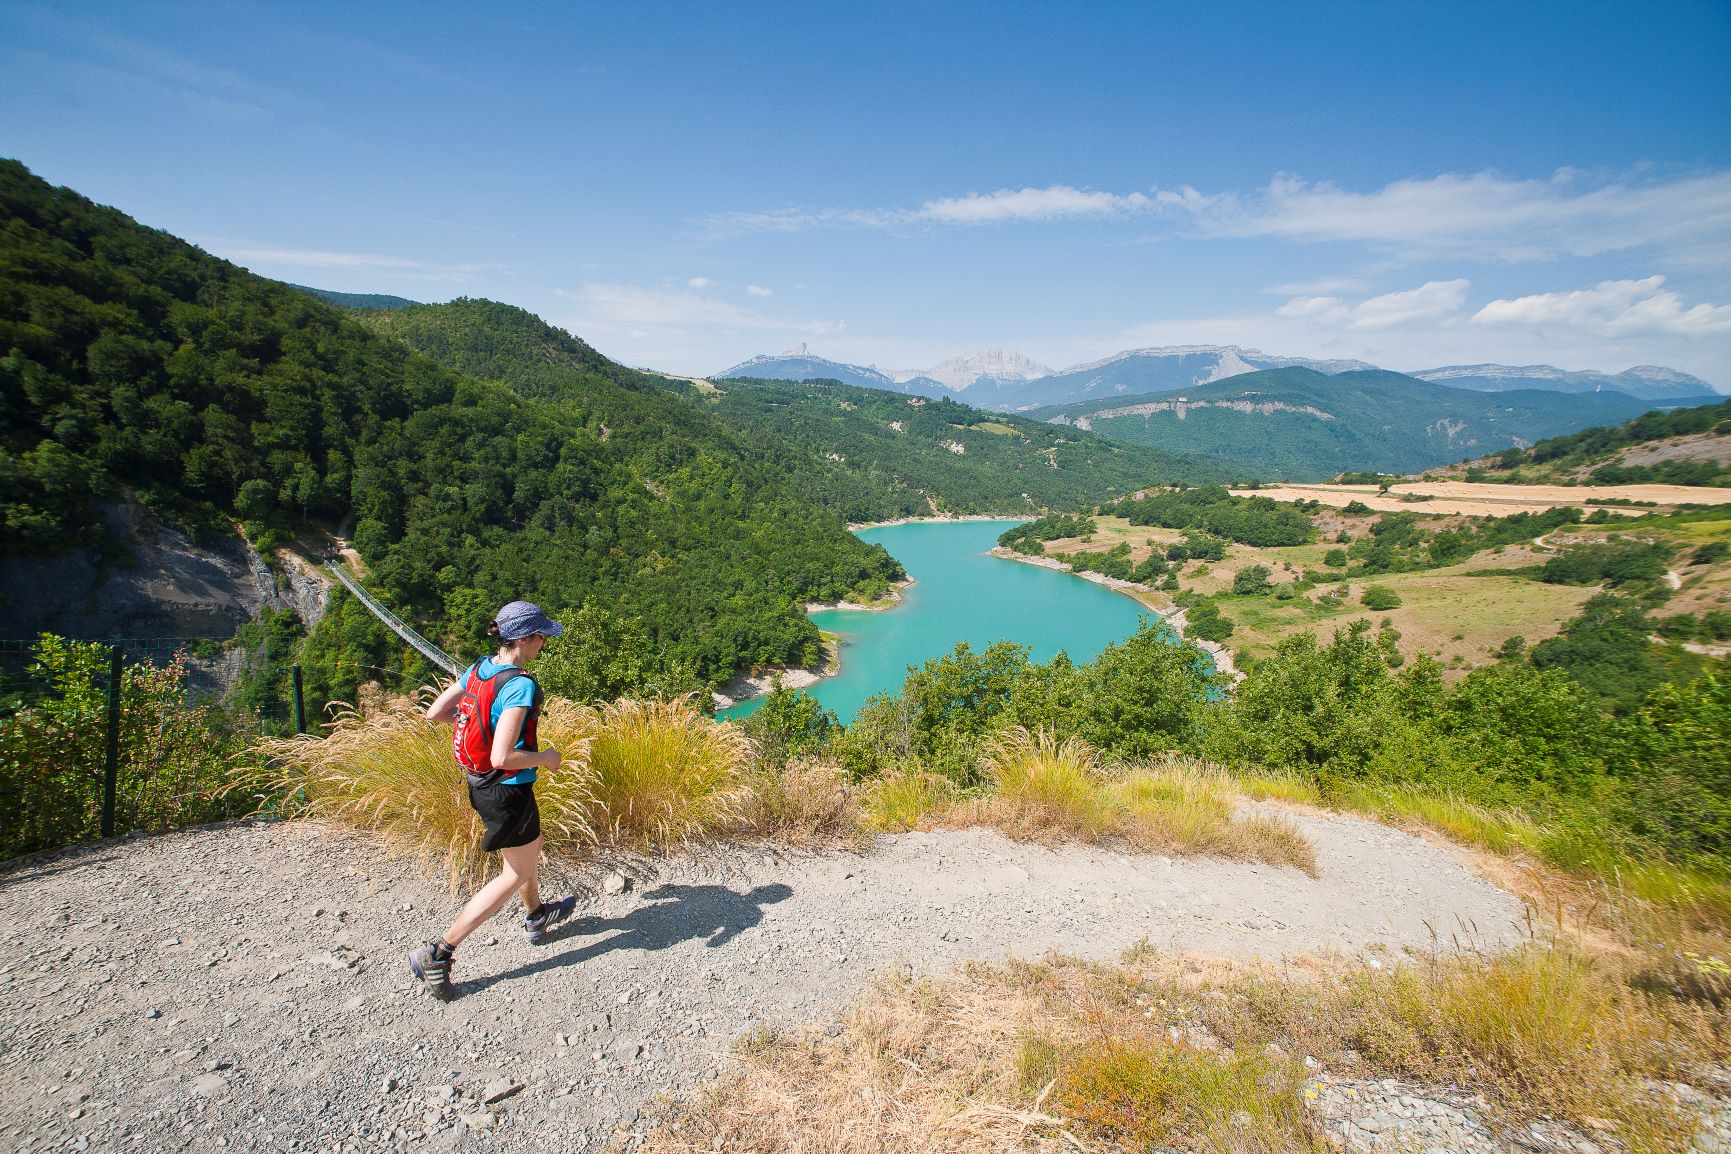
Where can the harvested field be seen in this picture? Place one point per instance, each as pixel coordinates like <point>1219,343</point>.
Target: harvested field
<point>1480,500</point>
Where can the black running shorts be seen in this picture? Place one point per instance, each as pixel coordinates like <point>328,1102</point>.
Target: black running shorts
<point>508,811</point>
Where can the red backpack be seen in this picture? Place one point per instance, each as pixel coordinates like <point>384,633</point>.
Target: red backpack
<point>472,742</point>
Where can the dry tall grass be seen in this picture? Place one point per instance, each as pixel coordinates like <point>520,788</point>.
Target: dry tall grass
<point>1043,790</point>
<point>391,771</point>
<point>661,773</point>
<point>804,803</point>
<point>898,802</point>
<point>636,775</point>
<point>1049,791</point>
<point>1183,805</point>
<point>1165,1053</point>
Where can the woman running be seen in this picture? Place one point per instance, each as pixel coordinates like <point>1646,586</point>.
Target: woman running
<point>495,706</point>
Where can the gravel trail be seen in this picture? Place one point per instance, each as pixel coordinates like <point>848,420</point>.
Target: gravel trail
<point>245,984</point>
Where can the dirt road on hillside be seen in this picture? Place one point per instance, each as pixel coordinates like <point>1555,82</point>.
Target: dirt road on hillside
<point>245,984</point>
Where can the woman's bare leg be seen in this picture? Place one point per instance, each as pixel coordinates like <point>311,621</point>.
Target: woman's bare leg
<point>516,874</point>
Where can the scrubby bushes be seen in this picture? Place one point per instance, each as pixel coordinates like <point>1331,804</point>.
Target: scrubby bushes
<point>173,754</point>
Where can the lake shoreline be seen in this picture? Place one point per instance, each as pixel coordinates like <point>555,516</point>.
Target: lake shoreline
<point>935,519</point>
<point>745,688</point>
<point>1171,615</point>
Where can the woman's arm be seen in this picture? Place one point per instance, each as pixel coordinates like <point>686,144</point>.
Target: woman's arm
<point>444,706</point>
<point>507,756</point>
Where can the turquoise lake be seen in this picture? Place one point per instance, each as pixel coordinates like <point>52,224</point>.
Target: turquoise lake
<point>961,594</point>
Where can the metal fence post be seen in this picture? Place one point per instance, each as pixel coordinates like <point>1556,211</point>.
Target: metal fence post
<point>111,762</point>
<point>300,703</point>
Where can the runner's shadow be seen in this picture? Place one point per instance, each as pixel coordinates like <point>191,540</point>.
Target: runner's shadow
<point>671,914</point>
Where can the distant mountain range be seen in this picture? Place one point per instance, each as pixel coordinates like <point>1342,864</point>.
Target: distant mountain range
<point>1010,382</point>
<point>1299,424</point>
<point>1653,382</point>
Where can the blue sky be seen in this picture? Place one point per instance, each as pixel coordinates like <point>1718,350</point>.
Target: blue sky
<point>686,185</point>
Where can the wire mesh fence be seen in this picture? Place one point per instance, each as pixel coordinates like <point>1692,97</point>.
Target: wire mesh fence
<point>100,737</point>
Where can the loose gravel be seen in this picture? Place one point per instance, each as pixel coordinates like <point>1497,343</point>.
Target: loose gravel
<point>246,985</point>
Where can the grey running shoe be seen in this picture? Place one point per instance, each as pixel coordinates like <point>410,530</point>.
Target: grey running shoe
<point>434,971</point>
<point>550,915</point>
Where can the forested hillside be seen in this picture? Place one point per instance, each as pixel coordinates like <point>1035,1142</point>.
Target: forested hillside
<point>866,453</point>
<point>1680,447</point>
<point>877,454</point>
<point>136,365</point>
<point>1297,424</point>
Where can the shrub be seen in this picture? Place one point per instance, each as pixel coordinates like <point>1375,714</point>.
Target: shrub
<point>1711,553</point>
<point>1614,563</point>
<point>174,755</point>
<point>1146,693</point>
<point>1307,707</point>
<point>1251,580</point>
<point>1380,598</point>
<point>1335,558</point>
<point>789,723</point>
<point>1205,621</point>
<point>1677,773</point>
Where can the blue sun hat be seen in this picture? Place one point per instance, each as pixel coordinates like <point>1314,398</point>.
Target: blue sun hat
<point>521,618</point>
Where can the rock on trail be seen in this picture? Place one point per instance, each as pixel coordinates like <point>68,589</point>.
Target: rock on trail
<point>246,984</point>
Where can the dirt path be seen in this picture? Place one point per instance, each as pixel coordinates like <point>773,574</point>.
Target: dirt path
<point>246,983</point>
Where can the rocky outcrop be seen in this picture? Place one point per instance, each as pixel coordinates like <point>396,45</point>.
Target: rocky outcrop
<point>140,578</point>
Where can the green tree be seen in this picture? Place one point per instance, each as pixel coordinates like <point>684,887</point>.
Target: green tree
<point>1251,580</point>
<point>1379,598</point>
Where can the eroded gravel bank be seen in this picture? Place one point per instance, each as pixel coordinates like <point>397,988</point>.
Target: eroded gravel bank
<point>245,985</point>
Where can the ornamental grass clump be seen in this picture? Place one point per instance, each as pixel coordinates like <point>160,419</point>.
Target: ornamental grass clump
<point>1181,805</point>
<point>898,802</point>
<point>800,802</point>
<point>661,774</point>
<point>1043,790</point>
<point>390,772</point>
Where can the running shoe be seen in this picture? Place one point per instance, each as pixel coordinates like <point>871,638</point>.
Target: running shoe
<point>549,915</point>
<point>434,971</point>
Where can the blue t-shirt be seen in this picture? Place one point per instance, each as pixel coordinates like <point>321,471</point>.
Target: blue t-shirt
<point>519,691</point>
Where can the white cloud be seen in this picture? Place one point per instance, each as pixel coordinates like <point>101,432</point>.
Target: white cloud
<point>758,290</point>
<point>1051,203</point>
<point>621,306</point>
<point>1482,216</point>
<point>364,261</point>
<point>698,282</point>
<point>1611,307</point>
<point>1331,308</point>
<point>1054,202</point>
<point>1431,302</point>
<point>1321,286</point>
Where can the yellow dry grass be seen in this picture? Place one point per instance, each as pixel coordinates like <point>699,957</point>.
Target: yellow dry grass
<point>805,803</point>
<point>1042,790</point>
<point>661,773</point>
<point>1487,500</point>
<point>391,772</point>
<point>1171,1053</point>
<point>636,775</point>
